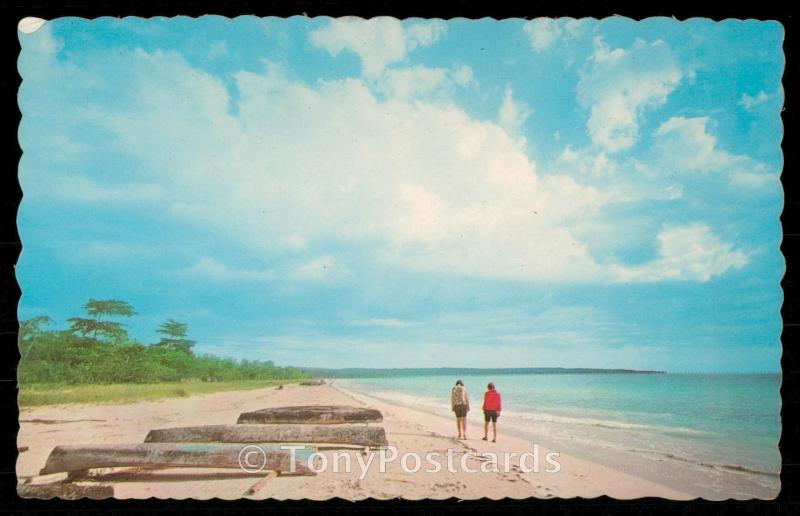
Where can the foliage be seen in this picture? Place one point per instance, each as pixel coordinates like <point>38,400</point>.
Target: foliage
<point>98,309</point>
<point>175,336</point>
<point>108,329</point>
<point>108,307</point>
<point>94,351</point>
<point>32,327</point>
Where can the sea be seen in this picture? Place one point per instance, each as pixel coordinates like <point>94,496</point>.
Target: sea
<point>706,433</point>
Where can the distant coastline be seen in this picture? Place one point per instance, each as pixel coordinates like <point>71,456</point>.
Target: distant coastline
<point>365,372</point>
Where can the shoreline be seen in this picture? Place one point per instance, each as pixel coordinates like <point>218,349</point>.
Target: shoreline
<point>408,430</point>
<point>700,479</point>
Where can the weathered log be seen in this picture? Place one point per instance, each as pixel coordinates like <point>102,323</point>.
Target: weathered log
<point>65,491</point>
<point>358,435</point>
<point>246,457</point>
<point>312,414</point>
<point>261,484</point>
<point>313,382</point>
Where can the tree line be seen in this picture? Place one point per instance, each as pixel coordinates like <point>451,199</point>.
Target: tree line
<point>96,349</point>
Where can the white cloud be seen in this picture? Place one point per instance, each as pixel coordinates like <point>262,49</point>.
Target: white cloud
<point>405,183</point>
<point>513,113</point>
<point>574,27</point>
<point>218,50</point>
<point>623,179</point>
<point>378,41</point>
<point>382,323</point>
<point>423,81</point>
<point>80,189</point>
<point>750,103</point>
<point>412,82</point>
<point>320,269</point>
<point>691,252</point>
<point>464,77</point>
<point>212,269</point>
<point>748,179</point>
<point>620,84</point>
<point>687,144</point>
<point>589,164</point>
<point>377,175</point>
<point>543,33</point>
<point>425,33</point>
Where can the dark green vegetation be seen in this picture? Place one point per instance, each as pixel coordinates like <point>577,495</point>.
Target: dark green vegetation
<point>96,349</point>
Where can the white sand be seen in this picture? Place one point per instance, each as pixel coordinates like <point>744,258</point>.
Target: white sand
<point>407,429</point>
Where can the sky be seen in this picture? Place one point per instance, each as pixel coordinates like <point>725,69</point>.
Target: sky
<point>417,193</point>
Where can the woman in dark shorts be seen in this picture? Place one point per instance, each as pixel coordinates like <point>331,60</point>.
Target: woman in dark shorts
<point>459,401</point>
<point>492,405</point>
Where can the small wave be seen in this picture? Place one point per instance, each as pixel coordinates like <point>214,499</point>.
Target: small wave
<point>543,417</point>
<point>736,468</point>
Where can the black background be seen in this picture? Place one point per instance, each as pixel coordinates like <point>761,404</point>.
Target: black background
<point>12,12</point>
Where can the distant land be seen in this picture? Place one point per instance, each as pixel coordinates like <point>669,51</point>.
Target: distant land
<point>364,372</point>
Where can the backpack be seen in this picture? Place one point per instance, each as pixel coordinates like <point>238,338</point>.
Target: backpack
<point>459,395</point>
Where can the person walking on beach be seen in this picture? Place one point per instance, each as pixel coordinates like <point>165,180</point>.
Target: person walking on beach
<point>492,405</point>
<point>459,401</point>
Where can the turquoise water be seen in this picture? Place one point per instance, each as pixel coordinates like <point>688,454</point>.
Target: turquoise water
<point>726,420</point>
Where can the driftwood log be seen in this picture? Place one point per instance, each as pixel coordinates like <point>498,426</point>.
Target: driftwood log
<point>261,484</point>
<point>312,414</point>
<point>355,435</point>
<point>65,491</point>
<point>175,455</point>
<point>313,382</point>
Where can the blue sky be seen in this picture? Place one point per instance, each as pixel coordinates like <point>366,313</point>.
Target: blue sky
<point>409,194</point>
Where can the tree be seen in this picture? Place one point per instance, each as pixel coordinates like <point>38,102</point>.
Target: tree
<point>93,327</point>
<point>175,336</point>
<point>100,309</point>
<point>29,330</point>
<point>108,307</point>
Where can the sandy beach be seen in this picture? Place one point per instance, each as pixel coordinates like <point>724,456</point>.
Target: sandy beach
<point>408,430</point>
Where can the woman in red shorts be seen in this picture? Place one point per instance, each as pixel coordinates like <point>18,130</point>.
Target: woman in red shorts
<point>491,411</point>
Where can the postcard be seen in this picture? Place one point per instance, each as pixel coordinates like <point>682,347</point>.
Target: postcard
<point>313,257</point>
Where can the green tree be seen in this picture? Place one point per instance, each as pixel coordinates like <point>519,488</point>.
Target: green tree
<point>98,310</point>
<point>29,331</point>
<point>108,307</point>
<point>31,328</point>
<point>174,336</point>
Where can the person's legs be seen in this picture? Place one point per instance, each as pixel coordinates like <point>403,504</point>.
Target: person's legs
<point>494,430</point>
<point>458,426</point>
<point>485,429</point>
<point>464,425</point>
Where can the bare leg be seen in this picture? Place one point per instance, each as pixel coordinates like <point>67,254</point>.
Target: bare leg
<point>458,426</point>
<point>464,423</point>
<point>485,430</point>
<point>494,431</point>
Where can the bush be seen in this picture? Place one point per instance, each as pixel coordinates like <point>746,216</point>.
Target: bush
<point>65,358</point>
